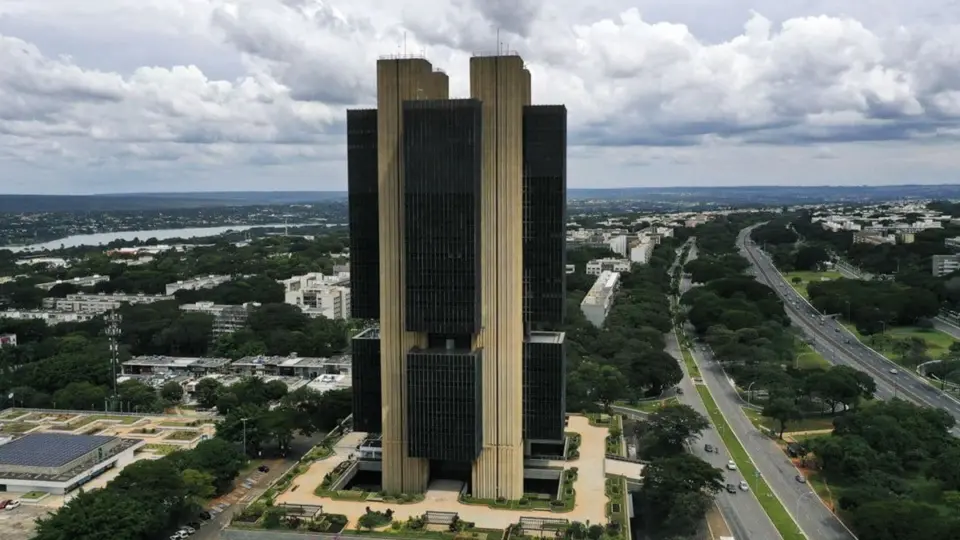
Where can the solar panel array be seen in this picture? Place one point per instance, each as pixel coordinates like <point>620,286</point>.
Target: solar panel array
<point>49,449</point>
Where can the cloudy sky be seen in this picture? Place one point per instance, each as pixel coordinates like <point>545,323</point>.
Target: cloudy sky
<point>200,95</point>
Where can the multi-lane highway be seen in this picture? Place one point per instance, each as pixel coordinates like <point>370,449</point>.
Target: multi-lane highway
<point>832,340</point>
<point>815,520</point>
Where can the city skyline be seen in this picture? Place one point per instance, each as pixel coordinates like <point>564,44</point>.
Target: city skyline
<point>470,233</point>
<point>237,95</point>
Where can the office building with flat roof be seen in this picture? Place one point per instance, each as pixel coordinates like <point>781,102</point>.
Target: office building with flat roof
<point>60,462</point>
<point>465,252</point>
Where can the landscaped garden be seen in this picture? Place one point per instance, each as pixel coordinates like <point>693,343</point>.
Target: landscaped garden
<point>182,435</point>
<point>617,514</point>
<point>573,445</point>
<point>536,501</point>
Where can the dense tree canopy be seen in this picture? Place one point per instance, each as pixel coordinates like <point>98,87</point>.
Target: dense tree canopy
<point>871,304</point>
<point>149,498</point>
<point>625,358</point>
<point>899,470</point>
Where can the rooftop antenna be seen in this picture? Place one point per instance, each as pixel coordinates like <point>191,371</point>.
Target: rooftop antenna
<point>498,41</point>
<point>404,43</point>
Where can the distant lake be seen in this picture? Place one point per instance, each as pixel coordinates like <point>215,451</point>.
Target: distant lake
<point>159,234</point>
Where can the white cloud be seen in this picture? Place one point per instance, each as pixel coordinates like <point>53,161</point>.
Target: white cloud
<point>214,94</point>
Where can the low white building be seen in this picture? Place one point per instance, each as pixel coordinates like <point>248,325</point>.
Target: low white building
<point>598,266</point>
<point>48,316</point>
<point>641,250</point>
<point>204,282</point>
<point>597,303</point>
<point>102,302</point>
<point>227,318</point>
<point>52,262</point>
<point>319,294</point>
<point>945,264</point>
<point>86,281</point>
<point>619,244</point>
<point>60,463</point>
<point>8,340</point>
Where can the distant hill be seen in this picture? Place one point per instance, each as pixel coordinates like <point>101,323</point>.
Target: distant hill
<point>159,201</point>
<point>757,195</point>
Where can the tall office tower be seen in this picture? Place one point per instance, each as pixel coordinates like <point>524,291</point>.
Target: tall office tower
<point>465,201</point>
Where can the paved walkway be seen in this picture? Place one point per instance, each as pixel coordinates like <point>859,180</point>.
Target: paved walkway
<point>624,468</point>
<point>442,495</point>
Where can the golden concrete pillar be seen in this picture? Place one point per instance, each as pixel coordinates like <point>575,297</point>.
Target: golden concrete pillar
<point>398,80</point>
<point>503,86</point>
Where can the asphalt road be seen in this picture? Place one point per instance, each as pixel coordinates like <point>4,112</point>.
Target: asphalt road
<point>742,511</point>
<point>831,339</point>
<point>814,519</point>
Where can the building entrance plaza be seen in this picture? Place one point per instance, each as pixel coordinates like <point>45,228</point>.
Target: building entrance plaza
<point>443,495</point>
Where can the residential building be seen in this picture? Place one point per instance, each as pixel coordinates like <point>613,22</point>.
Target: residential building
<point>465,251</point>
<point>8,340</point>
<point>619,244</point>
<point>641,249</point>
<point>952,243</point>
<point>597,303</point>
<point>204,282</point>
<point>48,316</point>
<point>50,262</point>
<point>227,318</point>
<point>945,264</point>
<point>293,286</point>
<point>79,282</point>
<point>865,237</point>
<point>332,302</point>
<point>599,266</point>
<point>102,302</point>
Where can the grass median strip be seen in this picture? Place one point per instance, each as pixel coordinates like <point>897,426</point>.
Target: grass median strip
<point>771,505</point>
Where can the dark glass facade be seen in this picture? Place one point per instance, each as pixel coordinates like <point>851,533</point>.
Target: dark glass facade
<point>444,404</point>
<point>363,209</point>
<point>442,168</point>
<point>544,213</point>
<point>544,386</point>
<point>365,377</point>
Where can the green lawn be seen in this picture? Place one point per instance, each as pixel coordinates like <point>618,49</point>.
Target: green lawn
<point>811,423</point>
<point>649,406</point>
<point>807,277</point>
<point>771,505</point>
<point>810,359</point>
<point>938,343</point>
<point>688,361</point>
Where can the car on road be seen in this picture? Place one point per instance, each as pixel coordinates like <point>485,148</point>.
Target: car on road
<point>800,478</point>
<point>4,503</point>
<point>744,486</point>
<point>205,515</point>
<point>263,469</point>
<point>731,465</point>
<point>893,371</point>
<point>731,488</point>
<point>12,505</point>
<point>708,448</point>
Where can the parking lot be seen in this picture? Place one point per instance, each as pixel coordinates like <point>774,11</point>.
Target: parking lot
<point>18,524</point>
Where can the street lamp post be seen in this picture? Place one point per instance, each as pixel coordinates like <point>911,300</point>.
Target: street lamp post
<point>244,421</point>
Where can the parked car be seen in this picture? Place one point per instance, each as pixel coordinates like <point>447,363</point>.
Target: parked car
<point>4,503</point>
<point>744,486</point>
<point>12,505</point>
<point>731,465</point>
<point>708,448</point>
<point>801,479</point>
<point>731,488</point>
<point>205,515</point>
<point>263,469</point>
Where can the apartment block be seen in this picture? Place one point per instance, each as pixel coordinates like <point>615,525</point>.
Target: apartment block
<point>204,282</point>
<point>597,303</point>
<point>599,266</point>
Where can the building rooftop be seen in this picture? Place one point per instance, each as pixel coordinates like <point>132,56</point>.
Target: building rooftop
<point>602,288</point>
<point>546,337</point>
<point>176,361</point>
<point>49,449</point>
